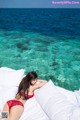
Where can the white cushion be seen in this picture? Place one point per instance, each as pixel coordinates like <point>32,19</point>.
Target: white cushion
<point>75,114</point>
<point>33,111</point>
<point>77,94</point>
<point>10,77</point>
<point>70,95</point>
<point>7,93</point>
<point>53,102</point>
<point>7,69</point>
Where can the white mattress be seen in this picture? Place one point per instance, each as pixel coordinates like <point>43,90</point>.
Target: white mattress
<point>49,103</point>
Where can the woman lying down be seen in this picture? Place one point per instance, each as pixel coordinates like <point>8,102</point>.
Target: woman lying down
<point>67,111</point>
<point>26,90</point>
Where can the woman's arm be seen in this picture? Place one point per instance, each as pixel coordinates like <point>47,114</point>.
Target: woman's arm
<point>39,84</point>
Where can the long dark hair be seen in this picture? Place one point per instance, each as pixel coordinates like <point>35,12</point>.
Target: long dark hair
<point>25,84</point>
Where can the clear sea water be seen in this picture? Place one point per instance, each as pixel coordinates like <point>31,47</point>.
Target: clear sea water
<point>44,40</point>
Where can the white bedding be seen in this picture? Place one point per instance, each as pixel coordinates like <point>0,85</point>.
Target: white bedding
<point>33,111</point>
<point>57,104</point>
<point>49,103</point>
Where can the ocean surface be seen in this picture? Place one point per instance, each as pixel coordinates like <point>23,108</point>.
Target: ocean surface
<point>43,40</point>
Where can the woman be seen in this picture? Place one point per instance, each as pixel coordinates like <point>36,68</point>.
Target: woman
<point>26,90</point>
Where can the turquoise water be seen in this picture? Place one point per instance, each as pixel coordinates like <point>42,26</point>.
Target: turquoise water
<point>51,57</point>
<point>46,41</point>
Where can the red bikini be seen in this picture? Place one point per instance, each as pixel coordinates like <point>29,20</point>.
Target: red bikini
<point>14,102</point>
<point>28,96</point>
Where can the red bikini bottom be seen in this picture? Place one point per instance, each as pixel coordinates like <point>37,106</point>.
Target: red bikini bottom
<point>12,103</point>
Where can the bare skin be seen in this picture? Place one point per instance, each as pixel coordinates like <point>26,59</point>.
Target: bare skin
<point>16,111</point>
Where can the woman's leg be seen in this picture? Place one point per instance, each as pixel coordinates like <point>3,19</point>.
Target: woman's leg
<point>15,112</point>
<point>6,109</point>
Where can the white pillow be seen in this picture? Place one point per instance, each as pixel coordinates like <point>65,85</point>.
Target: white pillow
<point>7,69</point>
<point>9,78</point>
<point>70,95</point>
<point>33,111</point>
<point>7,93</point>
<point>77,94</point>
<point>76,114</point>
<point>54,103</point>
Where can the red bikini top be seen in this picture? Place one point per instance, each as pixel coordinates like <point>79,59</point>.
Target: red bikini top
<point>28,96</point>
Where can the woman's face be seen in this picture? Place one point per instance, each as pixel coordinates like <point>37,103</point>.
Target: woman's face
<point>34,81</point>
